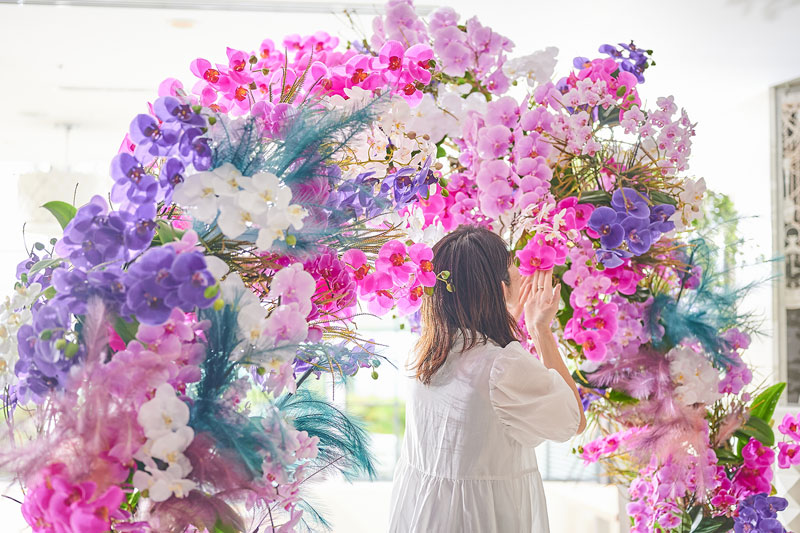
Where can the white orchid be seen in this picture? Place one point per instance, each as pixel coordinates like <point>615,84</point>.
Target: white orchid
<point>198,195</point>
<point>164,414</point>
<point>162,484</point>
<point>165,421</point>
<point>14,313</point>
<point>696,380</point>
<point>692,199</point>
<point>535,67</point>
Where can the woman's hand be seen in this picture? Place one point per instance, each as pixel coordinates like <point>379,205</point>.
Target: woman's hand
<point>541,303</point>
<point>517,292</point>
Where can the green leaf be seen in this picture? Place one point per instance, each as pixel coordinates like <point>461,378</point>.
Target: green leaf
<point>63,211</point>
<point>126,330</point>
<point>660,197</point>
<point>165,232</point>
<point>580,379</point>
<point>595,198</point>
<point>726,456</point>
<point>43,264</point>
<point>756,428</point>
<point>220,527</point>
<point>763,405</point>
<point>714,524</point>
<point>620,397</point>
<point>440,152</point>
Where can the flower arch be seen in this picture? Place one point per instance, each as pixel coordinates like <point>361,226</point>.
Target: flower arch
<point>255,213</point>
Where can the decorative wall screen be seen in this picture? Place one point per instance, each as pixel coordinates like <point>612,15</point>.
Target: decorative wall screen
<point>786,216</point>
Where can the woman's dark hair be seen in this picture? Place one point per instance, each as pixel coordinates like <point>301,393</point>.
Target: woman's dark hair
<point>478,262</point>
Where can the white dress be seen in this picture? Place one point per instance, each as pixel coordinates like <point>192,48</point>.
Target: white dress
<point>468,463</point>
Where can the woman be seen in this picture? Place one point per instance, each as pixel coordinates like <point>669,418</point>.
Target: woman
<point>480,403</point>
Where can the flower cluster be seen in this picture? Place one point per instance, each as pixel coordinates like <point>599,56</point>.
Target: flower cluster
<point>164,420</point>
<point>173,136</point>
<point>760,513</point>
<point>631,220</point>
<point>55,503</point>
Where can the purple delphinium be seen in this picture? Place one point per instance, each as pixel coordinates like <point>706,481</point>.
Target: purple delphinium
<point>630,202</point>
<point>95,235</point>
<point>604,221</point>
<point>162,279</point>
<point>759,513</point>
<point>44,363</point>
<point>348,359</point>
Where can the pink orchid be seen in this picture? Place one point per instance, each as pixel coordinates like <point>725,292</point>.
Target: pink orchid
<point>376,291</point>
<point>356,262</point>
<point>586,294</point>
<point>496,199</point>
<point>55,504</point>
<point>282,379</point>
<point>410,299</point>
<point>788,454</point>
<point>493,141</point>
<point>419,58</point>
<point>503,112</point>
<point>422,256</point>
<point>755,453</point>
<point>286,325</point>
<point>392,260</point>
<point>623,278</point>
<point>535,257</point>
<point>491,171</point>
<point>790,426</point>
<point>593,347</point>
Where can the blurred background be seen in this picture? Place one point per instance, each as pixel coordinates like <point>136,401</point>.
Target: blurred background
<point>74,73</point>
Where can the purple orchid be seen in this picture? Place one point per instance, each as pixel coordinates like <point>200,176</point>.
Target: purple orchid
<point>162,279</point>
<point>612,258</point>
<point>131,182</point>
<point>95,235</point>
<point>659,218</point>
<point>170,110</point>
<point>631,202</point>
<point>758,513</point>
<point>637,235</point>
<point>195,149</point>
<point>604,222</point>
<point>44,363</point>
<point>152,140</point>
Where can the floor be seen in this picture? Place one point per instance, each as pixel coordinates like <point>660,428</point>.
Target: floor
<point>363,507</point>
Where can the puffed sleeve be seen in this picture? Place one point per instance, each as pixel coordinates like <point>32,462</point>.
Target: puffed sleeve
<point>532,402</point>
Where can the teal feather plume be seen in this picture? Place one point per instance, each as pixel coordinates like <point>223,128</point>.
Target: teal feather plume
<point>701,314</point>
<point>343,442</point>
